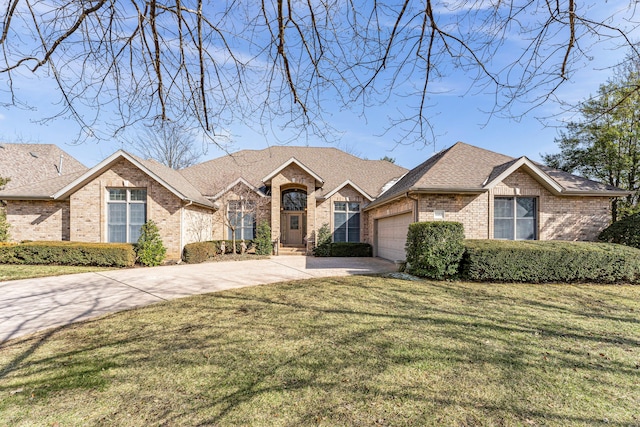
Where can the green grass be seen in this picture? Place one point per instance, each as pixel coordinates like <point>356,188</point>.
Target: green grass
<point>17,271</point>
<point>348,351</point>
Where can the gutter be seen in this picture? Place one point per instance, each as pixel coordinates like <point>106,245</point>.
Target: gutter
<point>28,197</point>
<point>418,190</point>
<point>621,193</point>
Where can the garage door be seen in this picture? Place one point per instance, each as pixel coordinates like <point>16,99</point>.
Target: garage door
<point>392,236</point>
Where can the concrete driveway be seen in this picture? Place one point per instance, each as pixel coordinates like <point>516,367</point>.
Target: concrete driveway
<point>33,304</point>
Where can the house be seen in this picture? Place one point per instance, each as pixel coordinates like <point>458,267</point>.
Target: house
<point>300,189</point>
<point>494,196</point>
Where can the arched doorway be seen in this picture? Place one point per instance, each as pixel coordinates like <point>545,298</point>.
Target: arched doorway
<point>293,217</point>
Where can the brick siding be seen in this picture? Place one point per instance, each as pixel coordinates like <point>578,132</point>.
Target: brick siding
<point>88,213</point>
<point>38,220</point>
<point>559,217</point>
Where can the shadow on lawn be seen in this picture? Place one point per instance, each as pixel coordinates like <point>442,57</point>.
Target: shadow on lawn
<point>355,353</point>
<point>474,331</point>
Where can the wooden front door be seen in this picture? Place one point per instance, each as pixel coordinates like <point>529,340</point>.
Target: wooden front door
<point>294,229</point>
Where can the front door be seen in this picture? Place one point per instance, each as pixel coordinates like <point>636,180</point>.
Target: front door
<point>294,229</point>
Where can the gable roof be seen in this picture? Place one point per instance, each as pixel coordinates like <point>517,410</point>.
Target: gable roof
<point>242,181</point>
<point>293,161</point>
<point>329,164</point>
<point>352,185</point>
<point>26,164</point>
<point>463,168</point>
<point>169,178</point>
<point>62,187</point>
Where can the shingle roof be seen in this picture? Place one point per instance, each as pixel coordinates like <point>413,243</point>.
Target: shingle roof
<point>332,165</point>
<point>174,179</point>
<point>41,189</point>
<point>61,186</point>
<point>465,168</point>
<point>29,163</point>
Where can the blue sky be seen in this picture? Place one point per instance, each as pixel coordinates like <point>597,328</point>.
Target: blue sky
<point>455,115</point>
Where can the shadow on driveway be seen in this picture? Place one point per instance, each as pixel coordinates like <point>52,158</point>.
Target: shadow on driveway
<point>31,305</point>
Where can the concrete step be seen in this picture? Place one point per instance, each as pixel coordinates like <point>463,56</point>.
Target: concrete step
<point>284,250</point>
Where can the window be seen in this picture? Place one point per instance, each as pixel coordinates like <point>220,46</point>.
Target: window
<point>294,200</point>
<point>126,214</point>
<point>515,218</point>
<point>242,217</point>
<point>346,222</point>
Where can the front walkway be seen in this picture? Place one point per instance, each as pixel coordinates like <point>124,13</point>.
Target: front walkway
<point>33,304</point>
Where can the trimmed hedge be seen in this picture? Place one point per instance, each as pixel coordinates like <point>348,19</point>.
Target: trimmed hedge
<point>69,253</point>
<point>350,249</point>
<point>197,252</point>
<point>434,249</point>
<point>550,261</point>
<point>625,232</point>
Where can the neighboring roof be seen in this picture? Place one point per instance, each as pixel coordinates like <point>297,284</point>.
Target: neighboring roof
<point>62,187</point>
<point>463,168</point>
<point>26,164</point>
<point>39,190</point>
<point>330,164</point>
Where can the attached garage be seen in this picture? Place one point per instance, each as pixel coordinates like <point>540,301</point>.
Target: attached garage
<point>391,236</point>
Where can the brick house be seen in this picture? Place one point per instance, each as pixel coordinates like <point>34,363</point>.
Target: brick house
<point>494,196</point>
<point>299,189</point>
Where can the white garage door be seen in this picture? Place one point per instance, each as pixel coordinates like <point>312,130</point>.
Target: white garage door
<point>392,236</point>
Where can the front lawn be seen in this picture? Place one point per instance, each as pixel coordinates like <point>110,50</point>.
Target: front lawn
<point>19,271</point>
<point>347,351</point>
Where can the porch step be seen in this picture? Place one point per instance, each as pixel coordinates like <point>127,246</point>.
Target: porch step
<point>287,250</point>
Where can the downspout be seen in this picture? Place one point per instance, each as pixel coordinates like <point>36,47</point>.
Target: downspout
<point>182,226</point>
<point>415,207</point>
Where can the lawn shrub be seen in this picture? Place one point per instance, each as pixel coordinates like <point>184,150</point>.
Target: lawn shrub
<point>323,241</point>
<point>197,252</point>
<point>228,244</point>
<point>69,253</point>
<point>263,243</point>
<point>149,250</point>
<point>350,249</point>
<point>434,249</point>
<point>550,261</point>
<point>624,232</point>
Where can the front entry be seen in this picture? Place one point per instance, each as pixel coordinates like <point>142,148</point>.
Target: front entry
<point>293,225</point>
<point>293,217</point>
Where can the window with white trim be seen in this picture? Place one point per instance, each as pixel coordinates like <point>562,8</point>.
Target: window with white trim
<point>515,218</point>
<point>126,214</point>
<point>346,222</point>
<point>242,219</point>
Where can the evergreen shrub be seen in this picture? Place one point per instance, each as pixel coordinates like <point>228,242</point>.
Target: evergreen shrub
<point>149,250</point>
<point>434,249</point>
<point>263,243</point>
<point>68,253</point>
<point>550,261</point>
<point>624,232</point>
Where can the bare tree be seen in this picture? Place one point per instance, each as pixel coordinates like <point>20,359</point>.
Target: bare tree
<point>287,62</point>
<point>168,143</point>
<point>242,207</point>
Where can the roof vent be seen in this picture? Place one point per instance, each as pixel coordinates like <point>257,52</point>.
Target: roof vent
<point>2,146</point>
<point>33,154</point>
